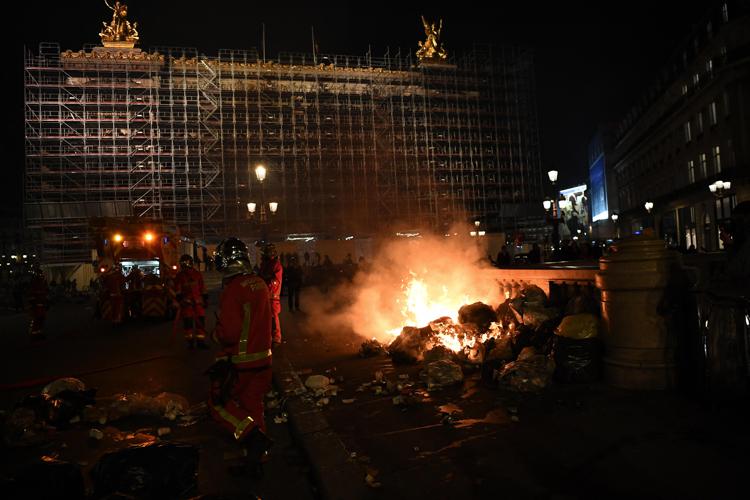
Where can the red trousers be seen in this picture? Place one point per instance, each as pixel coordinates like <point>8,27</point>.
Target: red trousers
<point>244,410</point>
<point>275,323</point>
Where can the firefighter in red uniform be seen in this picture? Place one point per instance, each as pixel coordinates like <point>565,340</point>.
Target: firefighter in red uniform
<point>38,301</point>
<point>271,272</point>
<point>134,281</point>
<point>113,283</point>
<point>192,298</point>
<point>241,375</point>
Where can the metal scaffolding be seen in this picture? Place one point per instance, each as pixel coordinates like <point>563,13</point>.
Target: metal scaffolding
<point>353,145</point>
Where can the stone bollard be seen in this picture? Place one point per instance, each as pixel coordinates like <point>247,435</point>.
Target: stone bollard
<point>639,349</point>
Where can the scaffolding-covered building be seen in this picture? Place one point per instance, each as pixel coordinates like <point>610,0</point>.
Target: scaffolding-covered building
<point>354,146</point>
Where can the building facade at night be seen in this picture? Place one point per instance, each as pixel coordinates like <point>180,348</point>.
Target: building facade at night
<point>691,130</point>
<point>353,145</point>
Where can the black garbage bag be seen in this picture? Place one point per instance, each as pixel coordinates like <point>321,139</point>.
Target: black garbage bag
<point>65,405</point>
<point>479,314</point>
<point>152,470</point>
<point>577,360</point>
<point>46,479</point>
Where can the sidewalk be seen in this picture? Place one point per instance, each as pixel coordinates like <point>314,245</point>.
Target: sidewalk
<point>570,441</point>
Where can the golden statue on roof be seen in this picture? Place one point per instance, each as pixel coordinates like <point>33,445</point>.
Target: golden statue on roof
<point>431,49</point>
<point>119,33</point>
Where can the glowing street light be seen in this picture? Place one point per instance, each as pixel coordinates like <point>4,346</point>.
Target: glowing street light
<point>552,174</point>
<point>719,188</point>
<point>547,204</point>
<point>251,207</point>
<point>649,206</point>
<point>615,217</point>
<point>260,172</point>
<point>273,206</point>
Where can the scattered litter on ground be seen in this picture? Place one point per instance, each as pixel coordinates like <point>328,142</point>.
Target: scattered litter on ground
<point>348,401</point>
<point>96,434</point>
<point>442,373</point>
<point>163,431</point>
<point>281,418</point>
<point>154,470</point>
<point>315,382</point>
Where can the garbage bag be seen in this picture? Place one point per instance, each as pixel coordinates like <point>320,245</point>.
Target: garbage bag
<point>443,372</point>
<point>508,314</point>
<point>580,304</point>
<point>410,345</point>
<point>530,372</point>
<point>534,295</point>
<point>49,479</point>
<point>172,405</point>
<point>535,315</point>
<point>371,348</point>
<point>153,470</point>
<point>63,384</point>
<point>479,314</point>
<point>67,404</point>
<point>579,326</point>
<point>437,353</point>
<point>577,360</point>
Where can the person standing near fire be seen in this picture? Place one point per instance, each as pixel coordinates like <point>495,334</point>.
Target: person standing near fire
<point>38,296</point>
<point>241,376</point>
<point>112,302</point>
<point>192,298</point>
<point>271,271</point>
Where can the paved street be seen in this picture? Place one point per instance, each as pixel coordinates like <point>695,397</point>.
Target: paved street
<point>141,357</point>
<point>471,441</point>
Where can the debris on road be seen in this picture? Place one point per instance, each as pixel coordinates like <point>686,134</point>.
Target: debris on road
<point>315,382</point>
<point>442,373</point>
<point>371,348</point>
<point>154,470</point>
<point>96,434</point>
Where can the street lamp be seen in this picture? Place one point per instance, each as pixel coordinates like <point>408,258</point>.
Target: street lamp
<point>720,188</point>
<point>260,172</point>
<point>252,207</point>
<point>547,204</point>
<point>649,206</point>
<point>617,227</point>
<point>552,174</point>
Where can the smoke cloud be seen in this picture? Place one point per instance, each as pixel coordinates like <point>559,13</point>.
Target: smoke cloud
<point>451,272</point>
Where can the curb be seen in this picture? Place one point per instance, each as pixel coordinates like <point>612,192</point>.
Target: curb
<point>338,477</point>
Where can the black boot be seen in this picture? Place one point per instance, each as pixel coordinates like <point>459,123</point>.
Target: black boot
<point>257,444</point>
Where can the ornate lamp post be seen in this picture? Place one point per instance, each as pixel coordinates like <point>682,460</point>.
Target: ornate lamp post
<point>252,207</point>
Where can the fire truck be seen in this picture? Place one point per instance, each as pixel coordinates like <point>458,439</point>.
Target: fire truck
<point>146,252</point>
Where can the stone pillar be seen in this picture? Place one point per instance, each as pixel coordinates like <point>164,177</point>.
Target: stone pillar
<point>639,348</point>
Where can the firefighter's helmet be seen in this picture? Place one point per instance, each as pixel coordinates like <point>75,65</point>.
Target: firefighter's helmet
<point>232,257</point>
<point>269,251</point>
<point>186,262</point>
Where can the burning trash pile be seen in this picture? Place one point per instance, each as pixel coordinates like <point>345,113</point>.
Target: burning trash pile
<point>520,345</point>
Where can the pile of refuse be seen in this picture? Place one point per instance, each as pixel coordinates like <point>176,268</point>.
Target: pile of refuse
<point>67,402</point>
<point>144,466</point>
<point>521,345</point>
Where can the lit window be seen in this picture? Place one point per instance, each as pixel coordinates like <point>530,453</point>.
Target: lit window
<point>700,122</point>
<point>725,13</point>
<point>691,171</point>
<point>709,66</point>
<point>712,113</point>
<point>696,79</point>
<point>684,89</point>
<point>717,159</point>
<point>688,134</point>
<point>703,164</point>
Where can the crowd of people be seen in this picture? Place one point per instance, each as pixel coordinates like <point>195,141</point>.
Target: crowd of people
<point>569,250</point>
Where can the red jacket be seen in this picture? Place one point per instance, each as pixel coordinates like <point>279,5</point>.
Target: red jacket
<point>113,282</point>
<point>189,284</point>
<point>244,326</point>
<point>271,272</point>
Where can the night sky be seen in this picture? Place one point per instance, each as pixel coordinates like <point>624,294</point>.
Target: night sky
<point>593,60</point>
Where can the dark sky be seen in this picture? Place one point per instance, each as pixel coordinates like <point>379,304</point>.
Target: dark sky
<point>592,60</point>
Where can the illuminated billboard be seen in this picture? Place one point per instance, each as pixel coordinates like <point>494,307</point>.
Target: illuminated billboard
<point>598,191</point>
